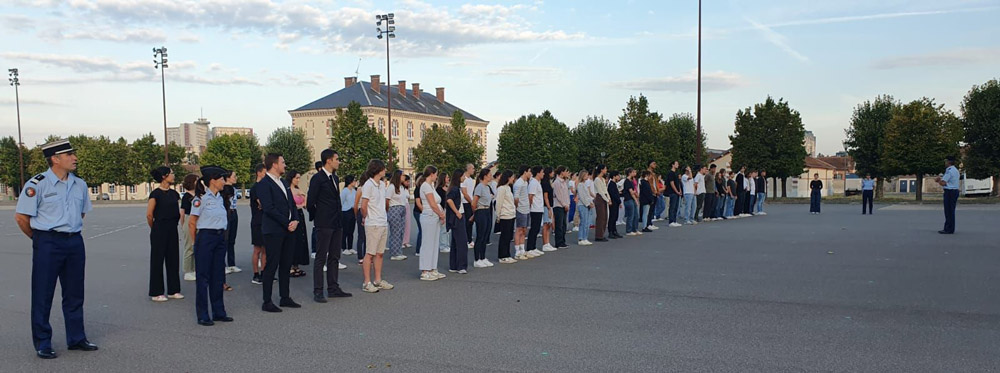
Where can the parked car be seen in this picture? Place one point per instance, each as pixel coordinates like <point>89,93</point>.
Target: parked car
<point>239,193</point>
<point>852,184</point>
<point>105,197</point>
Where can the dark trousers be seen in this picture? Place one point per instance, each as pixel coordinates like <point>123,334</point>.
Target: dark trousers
<point>490,222</point>
<point>482,217</point>
<point>234,222</point>
<point>458,259</point>
<point>535,228</point>
<point>420,228</point>
<point>748,201</point>
<point>469,212</point>
<point>358,219</point>
<point>738,205</point>
<point>675,202</point>
<point>708,211</point>
<point>164,250</point>
<point>559,218</point>
<point>57,257</point>
<point>279,248</point>
<point>328,241</point>
<point>950,201</point>
<point>347,221</point>
<point>613,219</point>
<point>814,201</point>
<point>210,273</point>
<point>506,235</point>
<point>700,204</point>
<point>867,196</point>
<point>649,214</point>
<point>601,222</point>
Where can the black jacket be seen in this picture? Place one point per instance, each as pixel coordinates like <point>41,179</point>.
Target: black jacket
<point>760,184</point>
<point>455,195</point>
<point>739,185</point>
<point>614,193</point>
<point>323,201</point>
<point>277,206</point>
<point>645,193</point>
<point>255,213</point>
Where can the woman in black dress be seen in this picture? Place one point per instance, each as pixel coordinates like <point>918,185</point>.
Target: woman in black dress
<point>815,196</point>
<point>163,216</point>
<point>300,256</point>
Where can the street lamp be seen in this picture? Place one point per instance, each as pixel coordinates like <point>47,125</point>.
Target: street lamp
<point>15,82</point>
<point>160,62</point>
<point>388,33</point>
<point>698,152</point>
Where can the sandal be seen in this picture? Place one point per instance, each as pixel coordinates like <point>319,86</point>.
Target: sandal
<point>226,287</point>
<point>159,298</point>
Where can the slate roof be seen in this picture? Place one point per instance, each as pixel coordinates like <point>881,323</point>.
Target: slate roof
<point>841,163</point>
<point>366,96</point>
<point>812,162</point>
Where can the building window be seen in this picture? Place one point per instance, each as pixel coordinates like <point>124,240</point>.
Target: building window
<point>111,188</point>
<point>479,136</point>
<point>409,157</point>
<point>395,129</point>
<point>131,189</point>
<point>381,126</point>
<point>423,130</point>
<point>409,130</point>
<point>93,190</point>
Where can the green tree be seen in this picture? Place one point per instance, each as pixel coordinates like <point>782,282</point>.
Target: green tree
<point>357,143</point>
<point>126,170</point>
<point>592,138</point>
<point>535,140</point>
<point>981,113</point>
<point>235,152</point>
<point>177,160</point>
<point>918,138</point>
<point>448,148</point>
<point>642,137</point>
<point>686,128</point>
<point>866,137</point>
<point>292,145</point>
<point>770,138</point>
<point>148,155</point>
<point>93,161</point>
<point>10,165</point>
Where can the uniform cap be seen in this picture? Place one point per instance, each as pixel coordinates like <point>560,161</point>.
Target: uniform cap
<point>213,172</point>
<point>57,147</point>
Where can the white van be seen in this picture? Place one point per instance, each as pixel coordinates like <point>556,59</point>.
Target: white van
<point>976,187</point>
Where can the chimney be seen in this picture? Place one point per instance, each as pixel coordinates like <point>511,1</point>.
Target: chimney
<point>402,88</point>
<point>376,84</point>
<point>349,81</point>
<point>440,94</point>
<point>416,90</point>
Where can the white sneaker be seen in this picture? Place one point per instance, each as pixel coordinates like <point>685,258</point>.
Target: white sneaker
<point>369,288</point>
<point>576,229</point>
<point>508,261</point>
<point>521,257</point>
<point>653,227</point>
<point>236,269</point>
<point>538,252</point>
<point>472,245</point>
<point>417,254</point>
<point>488,263</point>
<point>479,264</point>
<point>341,266</point>
<point>428,276</point>
<point>324,268</point>
<point>229,270</point>
<point>675,225</point>
<point>444,251</point>
<point>762,213</point>
<point>438,274</point>
<point>463,272</point>
<point>189,276</point>
<point>312,256</point>
<point>530,254</point>
<point>398,257</point>
<point>548,248</point>
<point>586,243</point>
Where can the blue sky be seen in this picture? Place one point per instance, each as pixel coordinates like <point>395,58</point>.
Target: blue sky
<point>86,65</point>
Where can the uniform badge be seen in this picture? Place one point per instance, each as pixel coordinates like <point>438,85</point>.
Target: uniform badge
<point>30,192</point>
<point>197,203</point>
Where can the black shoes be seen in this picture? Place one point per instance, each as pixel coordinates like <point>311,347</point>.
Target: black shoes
<point>288,302</point>
<point>256,279</point>
<point>206,322</point>
<point>946,232</point>
<point>223,319</point>
<point>319,298</point>
<point>84,345</point>
<point>270,307</point>
<point>600,240</point>
<point>339,294</point>
<point>646,230</point>
<point>47,353</point>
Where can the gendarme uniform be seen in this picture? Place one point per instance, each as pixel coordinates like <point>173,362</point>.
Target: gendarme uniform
<point>56,207</point>
<point>210,249</point>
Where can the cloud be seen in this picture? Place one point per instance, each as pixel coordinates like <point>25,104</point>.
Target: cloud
<point>107,34</point>
<point>17,22</point>
<point>189,38</point>
<point>103,69</point>
<point>12,102</point>
<point>519,71</point>
<point>955,57</point>
<point>777,39</point>
<point>710,82</point>
<point>827,20</point>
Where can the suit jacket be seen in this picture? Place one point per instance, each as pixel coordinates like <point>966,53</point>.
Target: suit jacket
<point>455,195</point>
<point>739,185</point>
<point>614,193</point>
<point>323,201</point>
<point>276,205</point>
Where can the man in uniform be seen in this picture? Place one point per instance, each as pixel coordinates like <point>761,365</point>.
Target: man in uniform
<point>50,212</point>
<point>950,184</point>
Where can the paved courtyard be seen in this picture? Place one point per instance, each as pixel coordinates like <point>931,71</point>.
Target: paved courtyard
<point>785,292</point>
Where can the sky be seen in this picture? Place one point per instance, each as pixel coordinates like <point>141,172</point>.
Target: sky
<point>86,66</point>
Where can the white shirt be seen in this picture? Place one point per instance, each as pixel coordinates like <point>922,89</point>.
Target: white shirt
<point>375,194</point>
<point>277,180</point>
<point>521,195</point>
<point>535,189</point>
<point>426,189</point>
<point>397,199</point>
<point>688,183</point>
<point>469,187</point>
<point>572,186</point>
<point>505,203</point>
<point>700,180</point>
<point>751,185</point>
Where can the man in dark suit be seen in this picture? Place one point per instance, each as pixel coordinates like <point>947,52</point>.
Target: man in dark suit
<point>279,220</point>
<point>741,198</point>
<point>323,203</point>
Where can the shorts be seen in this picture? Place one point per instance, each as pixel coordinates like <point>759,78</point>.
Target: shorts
<point>256,236</point>
<point>522,220</point>
<point>545,217</point>
<point>375,239</point>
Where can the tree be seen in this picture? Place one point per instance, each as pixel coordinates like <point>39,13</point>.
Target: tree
<point>448,148</point>
<point>687,135</point>
<point>126,170</point>
<point>918,138</point>
<point>177,161</point>
<point>93,165</point>
<point>147,154</point>
<point>10,166</point>
<point>292,145</point>
<point>642,136</point>
<point>357,143</point>
<point>592,137</point>
<point>234,152</point>
<point>770,138</point>
<point>981,113</point>
<point>535,140</point>
<point>866,137</point>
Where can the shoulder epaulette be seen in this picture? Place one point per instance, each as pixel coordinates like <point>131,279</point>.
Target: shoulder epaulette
<point>37,178</point>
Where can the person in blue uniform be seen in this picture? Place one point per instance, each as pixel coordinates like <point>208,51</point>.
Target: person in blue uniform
<point>50,212</point>
<point>867,195</point>
<point>950,184</point>
<point>208,223</point>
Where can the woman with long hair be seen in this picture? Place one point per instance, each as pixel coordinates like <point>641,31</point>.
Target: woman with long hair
<point>190,184</point>
<point>458,259</point>
<point>482,199</point>
<point>418,209</point>
<point>398,197</point>
<point>163,216</point>
<point>300,255</point>
<point>443,180</point>
<point>506,213</point>
<point>432,217</point>
<point>585,206</point>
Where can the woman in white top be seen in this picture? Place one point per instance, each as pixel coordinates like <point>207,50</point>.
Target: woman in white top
<point>506,213</point>
<point>397,194</point>
<point>689,201</point>
<point>585,205</point>
<point>431,221</point>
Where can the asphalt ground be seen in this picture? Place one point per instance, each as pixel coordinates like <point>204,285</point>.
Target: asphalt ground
<point>788,291</point>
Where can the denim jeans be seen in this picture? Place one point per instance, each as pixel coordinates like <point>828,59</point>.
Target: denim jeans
<point>674,206</point>
<point>630,216</point>
<point>730,204</point>
<point>720,206</point>
<point>760,202</point>
<point>585,218</point>
<point>643,217</point>
<point>689,207</point>
<point>661,205</point>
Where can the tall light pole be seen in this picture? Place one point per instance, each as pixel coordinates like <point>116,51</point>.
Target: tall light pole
<point>698,152</point>
<point>160,62</point>
<point>15,82</point>
<point>388,33</point>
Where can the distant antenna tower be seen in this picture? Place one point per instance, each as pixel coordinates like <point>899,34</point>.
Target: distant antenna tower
<point>357,69</point>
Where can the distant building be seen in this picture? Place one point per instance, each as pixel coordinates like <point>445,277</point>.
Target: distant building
<point>220,131</point>
<point>192,136</point>
<point>413,113</point>
<point>810,142</point>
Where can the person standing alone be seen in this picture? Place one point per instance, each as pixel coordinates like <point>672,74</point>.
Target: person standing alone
<point>950,183</point>
<point>867,195</point>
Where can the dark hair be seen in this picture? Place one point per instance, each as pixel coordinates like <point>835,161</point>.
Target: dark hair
<point>483,173</point>
<point>318,165</point>
<point>396,179</point>
<point>644,174</point>
<point>440,181</point>
<point>325,155</point>
<point>521,170</point>
<point>628,171</point>
<point>650,163</point>
<point>535,170</point>
<point>456,179</point>
<point>374,167</point>
<point>429,170</point>
<point>612,174</point>
<point>560,169</point>
<point>190,182</point>
<point>505,177</point>
<point>205,180</point>
<point>712,166</point>
<point>258,168</point>
<point>160,173</point>
<point>270,159</point>
<point>348,180</point>
<point>497,174</point>
<point>289,176</point>
<point>547,171</point>
<point>597,170</point>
